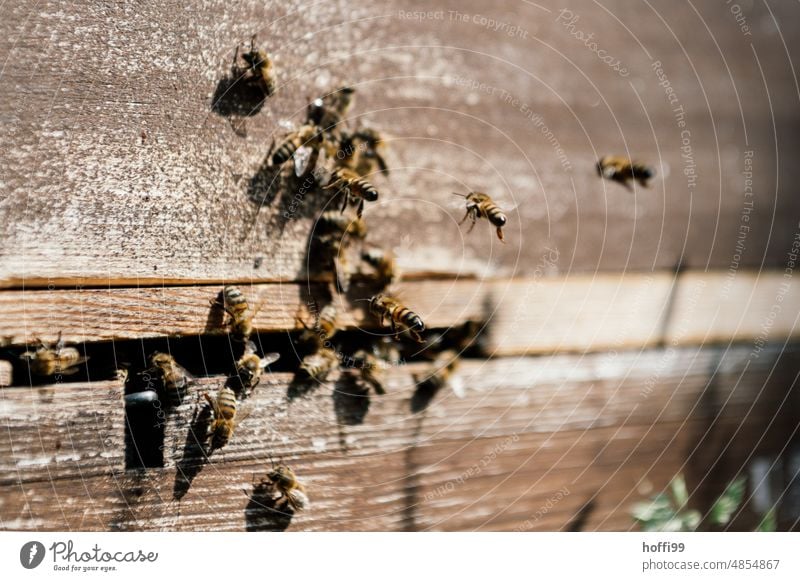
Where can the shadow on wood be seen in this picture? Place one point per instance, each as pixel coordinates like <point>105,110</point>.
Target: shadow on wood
<point>195,455</point>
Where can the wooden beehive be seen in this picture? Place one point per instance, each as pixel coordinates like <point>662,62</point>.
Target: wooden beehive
<point>630,336</point>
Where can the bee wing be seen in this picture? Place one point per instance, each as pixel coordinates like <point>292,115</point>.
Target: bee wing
<point>302,158</point>
<point>269,359</point>
<point>298,499</point>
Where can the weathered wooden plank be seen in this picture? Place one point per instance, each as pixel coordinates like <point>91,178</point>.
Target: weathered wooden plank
<point>537,315</point>
<point>59,431</point>
<point>113,178</point>
<point>502,397</point>
<point>6,373</point>
<point>537,481</point>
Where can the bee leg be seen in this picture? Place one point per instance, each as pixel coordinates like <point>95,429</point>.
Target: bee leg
<point>500,235</point>
<point>474,217</point>
<point>360,210</point>
<point>416,336</point>
<point>464,219</point>
<point>345,196</point>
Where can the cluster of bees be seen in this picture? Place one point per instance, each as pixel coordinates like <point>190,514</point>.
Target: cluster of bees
<point>339,161</point>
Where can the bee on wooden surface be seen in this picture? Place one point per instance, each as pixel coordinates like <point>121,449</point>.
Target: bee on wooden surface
<point>289,491</point>
<point>258,70</point>
<point>363,152</point>
<point>479,205</point>
<point>174,378</point>
<point>319,365</point>
<point>334,233</point>
<point>383,261</point>
<point>241,316</point>
<point>223,407</point>
<point>325,327</point>
<point>47,361</point>
<point>304,145</point>
<point>386,307</point>
<point>328,112</point>
<point>352,186</point>
<point>441,374</point>
<point>250,366</point>
<point>370,369</point>
<point>623,170</point>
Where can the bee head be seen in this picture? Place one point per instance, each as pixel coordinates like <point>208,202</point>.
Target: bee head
<point>315,112</point>
<point>646,172</point>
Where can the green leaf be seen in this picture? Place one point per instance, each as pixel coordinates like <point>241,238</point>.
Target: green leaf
<point>769,523</point>
<point>679,492</point>
<point>728,502</point>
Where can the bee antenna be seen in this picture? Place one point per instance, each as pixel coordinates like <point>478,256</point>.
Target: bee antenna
<point>457,194</point>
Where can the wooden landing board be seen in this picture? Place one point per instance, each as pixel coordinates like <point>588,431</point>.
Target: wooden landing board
<point>539,315</point>
<point>56,431</point>
<point>119,179</point>
<point>614,428</point>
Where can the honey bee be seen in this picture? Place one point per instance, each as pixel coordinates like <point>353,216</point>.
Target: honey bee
<point>174,378</point>
<point>386,307</point>
<point>304,145</point>
<point>479,205</point>
<point>58,360</point>
<point>258,71</point>
<point>241,316</point>
<point>623,170</point>
<point>334,233</point>
<point>223,406</point>
<point>289,490</point>
<point>325,327</point>
<point>370,370</point>
<point>250,366</point>
<point>352,186</point>
<point>442,370</point>
<point>328,112</point>
<point>383,261</point>
<point>362,151</point>
<point>320,364</point>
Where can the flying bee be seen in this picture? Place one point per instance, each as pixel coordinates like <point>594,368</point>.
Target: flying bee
<point>250,366</point>
<point>288,489</point>
<point>370,369</point>
<point>352,186</point>
<point>174,378</point>
<point>223,406</point>
<point>47,361</point>
<point>386,307</point>
<point>479,205</point>
<point>383,261</point>
<point>241,316</point>
<point>319,365</point>
<point>623,170</point>
<point>258,70</point>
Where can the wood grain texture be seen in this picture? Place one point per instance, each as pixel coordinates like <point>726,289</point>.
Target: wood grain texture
<point>602,427</point>
<point>6,373</point>
<point>113,172</point>
<point>59,431</point>
<point>525,316</point>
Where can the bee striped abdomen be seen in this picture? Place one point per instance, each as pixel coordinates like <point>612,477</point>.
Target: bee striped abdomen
<point>495,215</point>
<point>285,151</point>
<point>363,189</point>
<point>408,318</point>
<point>226,402</point>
